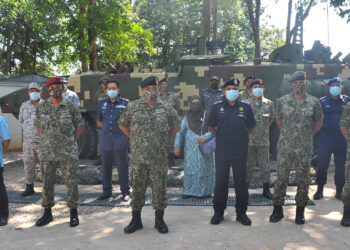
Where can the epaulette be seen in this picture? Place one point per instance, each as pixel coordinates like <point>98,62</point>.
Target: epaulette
<point>124,99</point>
<point>219,101</point>
<point>323,98</point>
<point>245,101</point>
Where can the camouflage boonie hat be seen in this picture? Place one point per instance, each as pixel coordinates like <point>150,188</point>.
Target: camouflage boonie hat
<point>298,75</point>
<point>35,85</point>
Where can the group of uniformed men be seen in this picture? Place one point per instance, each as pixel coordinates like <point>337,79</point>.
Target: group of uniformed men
<point>240,122</point>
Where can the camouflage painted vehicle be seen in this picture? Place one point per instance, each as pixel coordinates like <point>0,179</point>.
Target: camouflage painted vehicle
<point>189,77</point>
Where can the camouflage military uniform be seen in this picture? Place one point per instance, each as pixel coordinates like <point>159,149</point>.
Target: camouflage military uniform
<point>210,97</point>
<point>345,121</point>
<point>295,144</point>
<point>149,128</point>
<point>244,95</point>
<point>31,140</point>
<point>100,95</point>
<point>258,149</point>
<point>58,148</point>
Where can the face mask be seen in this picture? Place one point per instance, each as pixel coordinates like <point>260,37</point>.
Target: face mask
<point>56,93</point>
<point>34,96</point>
<point>299,89</point>
<point>232,95</point>
<point>258,92</point>
<point>164,87</point>
<point>150,95</point>
<point>196,107</point>
<point>112,94</point>
<point>65,86</point>
<point>214,86</point>
<point>335,90</point>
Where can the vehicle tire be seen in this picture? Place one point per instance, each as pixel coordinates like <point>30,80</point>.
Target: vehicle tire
<point>88,141</point>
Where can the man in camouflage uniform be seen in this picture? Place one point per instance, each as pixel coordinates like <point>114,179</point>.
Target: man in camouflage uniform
<point>258,149</point>
<point>244,94</point>
<point>31,137</point>
<point>212,94</point>
<point>148,122</point>
<point>55,120</point>
<point>299,116</point>
<point>344,128</point>
<point>174,101</point>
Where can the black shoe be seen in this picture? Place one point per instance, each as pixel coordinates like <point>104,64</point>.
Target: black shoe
<point>135,223</point>
<point>45,219</point>
<point>217,218</point>
<point>299,217</point>
<point>319,193</point>
<point>185,196</point>
<point>277,214</point>
<point>338,193</point>
<point>345,221</point>
<point>3,221</point>
<point>266,191</point>
<point>29,190</point>
<point>159,222</point>
<point>243,219</point>
<point>126,197</point>
<point>98,161</point>
<point>74,220</point>
<point>204,197</point>
<point>104,196</point>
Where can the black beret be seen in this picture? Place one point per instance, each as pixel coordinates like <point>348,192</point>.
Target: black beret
<point>256,81</point>
<point>165,79</point>
<point>152,80</point>
<point>249,78</point>
<point>215,78</point>
<point>233,81</point>
<point>298,75</point>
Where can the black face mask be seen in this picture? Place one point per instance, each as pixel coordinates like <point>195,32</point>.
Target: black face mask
<point>196,107</point>
<point>56,93</point>
<point>214,86</point>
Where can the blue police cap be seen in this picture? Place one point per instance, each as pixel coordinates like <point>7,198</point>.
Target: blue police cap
<point>215,78</point>
<point>336,79</point>
<point>233,81</point>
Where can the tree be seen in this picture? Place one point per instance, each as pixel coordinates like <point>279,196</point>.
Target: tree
<point>343,8</point>
<point>254,19</point>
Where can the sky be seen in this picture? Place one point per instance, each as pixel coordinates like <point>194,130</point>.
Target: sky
<point>315,25</point>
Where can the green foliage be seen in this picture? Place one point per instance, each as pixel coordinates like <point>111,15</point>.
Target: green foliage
<point>343,8</point>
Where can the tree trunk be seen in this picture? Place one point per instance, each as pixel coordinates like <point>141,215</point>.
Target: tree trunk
<point>8,58</point>
<point>215,20</point>
<point>255,24</point>
<point>81,39</point>
<point>206,19</point>
<point>289,16</point>
<point>92,37</point>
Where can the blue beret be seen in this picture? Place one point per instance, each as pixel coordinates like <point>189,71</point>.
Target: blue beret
<point>152,80</point>
<point>336,79</point>
<point>298,75</point>
<point>233,81</point>
<point>214,78</point>
<point>256,81</point>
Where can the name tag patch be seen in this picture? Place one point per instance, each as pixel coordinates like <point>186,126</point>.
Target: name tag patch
<point>159,111</point>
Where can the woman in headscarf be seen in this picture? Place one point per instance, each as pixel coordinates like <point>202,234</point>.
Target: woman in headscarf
<point>199,170</point>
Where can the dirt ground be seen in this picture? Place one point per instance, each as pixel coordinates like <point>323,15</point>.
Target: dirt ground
<point>189,227</point>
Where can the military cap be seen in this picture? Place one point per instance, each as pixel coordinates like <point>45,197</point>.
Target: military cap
<point>152,80</point>
<point>249,78</point>
<point>233,81</point>
<point>336,79</point>
<point>256,81</point>
<point>298,75</point>
<point>35,85</point>
<point>104,79</point>
<point>55,80</point>
<point>165,79</point>
<point>215,78</point>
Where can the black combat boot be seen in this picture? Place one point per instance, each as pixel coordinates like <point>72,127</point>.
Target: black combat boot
<point>339,191</point>
<point>217,217</point>
<point>74,220</point>
<point>171,160</point>
<point>45,219</point>
<point>135,223</point>
<point>319,193</point>
<point>345,221</point>
<point>266,191</point>
<point>277,214</point>
<point>299,216</point>
<point>29,190</point>
<point>159,222</point>
<point>243,219</point>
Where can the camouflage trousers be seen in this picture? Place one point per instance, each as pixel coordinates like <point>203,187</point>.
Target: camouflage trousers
<point>346,191</point>
<point>285,159</point>
<point>157,174</point>
<point>69,170</point>
<point>31,156</point>
<point>259,155</point>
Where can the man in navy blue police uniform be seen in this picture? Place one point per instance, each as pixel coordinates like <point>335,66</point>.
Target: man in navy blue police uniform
<point>231,120</point>
<point>330,140</point>
<point>113,142</point>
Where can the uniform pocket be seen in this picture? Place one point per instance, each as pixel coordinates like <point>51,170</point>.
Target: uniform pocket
<point>162,122</point>
<point>66,125</point>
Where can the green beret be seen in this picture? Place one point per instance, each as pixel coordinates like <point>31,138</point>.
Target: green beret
<point>298,75</point>
<point>152,80</point>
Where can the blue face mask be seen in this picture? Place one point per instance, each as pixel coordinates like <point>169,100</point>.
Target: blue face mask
<point>112,94</point>
<point>34,96</point>
<point>258,92</point>
<point>232,95</point>
<point>335,90</point>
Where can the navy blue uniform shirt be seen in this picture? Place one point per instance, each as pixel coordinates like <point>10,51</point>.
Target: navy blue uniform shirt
<point>232,124</point>
<point>111,137</point>
<point>332,110</point>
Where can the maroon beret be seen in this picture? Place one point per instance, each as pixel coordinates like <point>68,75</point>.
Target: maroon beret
<point>54,80</point>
